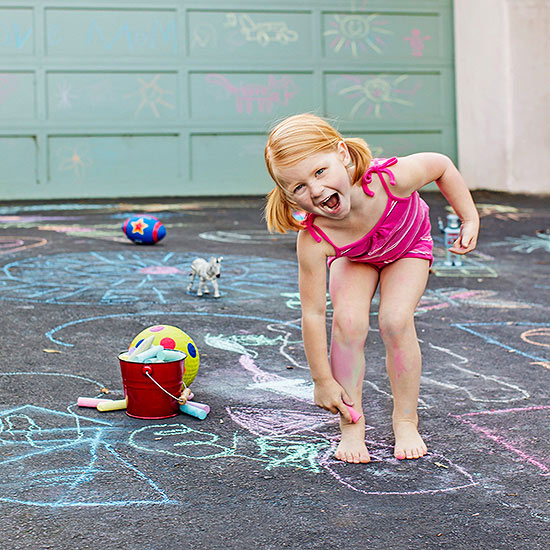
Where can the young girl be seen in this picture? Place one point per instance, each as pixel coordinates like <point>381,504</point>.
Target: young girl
<point>367,223</point>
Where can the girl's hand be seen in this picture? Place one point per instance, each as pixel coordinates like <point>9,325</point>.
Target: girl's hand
<point>467,240</point>
<point>329,395</point>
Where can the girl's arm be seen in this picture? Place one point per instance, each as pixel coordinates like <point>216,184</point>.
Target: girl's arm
<point>419,169</point>
<point>312,259</point>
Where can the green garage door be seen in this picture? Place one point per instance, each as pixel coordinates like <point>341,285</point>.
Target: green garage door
<point>174,98</point>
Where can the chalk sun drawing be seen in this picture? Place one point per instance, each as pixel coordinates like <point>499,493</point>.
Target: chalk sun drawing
<point>358,33</point>
<point>376,94</point>
<point>152,95</point>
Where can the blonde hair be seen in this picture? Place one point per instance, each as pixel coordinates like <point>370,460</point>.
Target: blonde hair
<point>293,140</point>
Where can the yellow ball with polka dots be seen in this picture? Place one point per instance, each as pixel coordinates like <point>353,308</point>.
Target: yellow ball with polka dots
<point>170,337</point>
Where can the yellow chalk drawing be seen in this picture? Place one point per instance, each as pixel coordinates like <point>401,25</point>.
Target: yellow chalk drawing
<point>375,93</point>
<point>356,32</point>
<point>152,96</point>
<point>537,336</point>
<point>76,161</point>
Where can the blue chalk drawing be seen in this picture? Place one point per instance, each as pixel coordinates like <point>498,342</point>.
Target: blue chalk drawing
<point>55,459</point>
<point>128,277</point>
<point>206,314</point>
<point>477,329</point>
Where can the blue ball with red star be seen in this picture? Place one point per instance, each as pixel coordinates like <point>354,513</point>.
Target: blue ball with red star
<point>144,229</point>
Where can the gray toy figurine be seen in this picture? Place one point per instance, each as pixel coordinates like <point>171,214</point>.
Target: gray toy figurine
<point>451,232</point>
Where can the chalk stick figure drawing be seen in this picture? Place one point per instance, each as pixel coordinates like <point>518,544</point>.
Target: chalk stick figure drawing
<point>207,271</point>
<point>416,41</point>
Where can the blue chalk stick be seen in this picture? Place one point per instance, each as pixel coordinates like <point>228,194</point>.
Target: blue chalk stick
<point>193,411</point>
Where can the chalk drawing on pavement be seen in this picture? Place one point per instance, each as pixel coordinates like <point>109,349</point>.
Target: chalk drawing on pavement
<point>55,459</point>
<point>10,245</point>
<point>517,444</point>
<point>248,236</point>
<point>128,276</point>
<point>502,333</point>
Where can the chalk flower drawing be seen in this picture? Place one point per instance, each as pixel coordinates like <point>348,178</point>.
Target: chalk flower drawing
<point>152,96</point>
<point>74,160</point>
<point>262,33</point>
<point>357,32</point>
<point>376,93</point>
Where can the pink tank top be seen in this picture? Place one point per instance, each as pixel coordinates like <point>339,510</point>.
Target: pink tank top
<point>403,230</point>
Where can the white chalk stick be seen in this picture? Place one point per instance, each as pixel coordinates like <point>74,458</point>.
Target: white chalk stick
<point>144,346</point>
<point>151,352</point>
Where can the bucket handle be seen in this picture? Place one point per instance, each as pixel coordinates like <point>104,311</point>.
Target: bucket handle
<point>147,371</point>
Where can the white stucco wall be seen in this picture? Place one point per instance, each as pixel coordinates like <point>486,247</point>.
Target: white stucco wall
<point>502,51</point>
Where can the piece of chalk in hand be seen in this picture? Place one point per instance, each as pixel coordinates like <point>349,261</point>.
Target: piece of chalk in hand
<point>355,416</point>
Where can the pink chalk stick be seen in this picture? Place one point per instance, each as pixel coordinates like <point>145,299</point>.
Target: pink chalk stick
<point>89,402</point>
<point>355,416</point>
<point>199,405</point>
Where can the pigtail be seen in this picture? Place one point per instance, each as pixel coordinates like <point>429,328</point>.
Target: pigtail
<point>361,157</point>
<point>278,213</point>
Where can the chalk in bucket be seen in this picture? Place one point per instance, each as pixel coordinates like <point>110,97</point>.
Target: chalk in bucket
<point>152,389</point>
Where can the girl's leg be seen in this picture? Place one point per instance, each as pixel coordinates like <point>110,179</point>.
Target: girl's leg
<point>401,287</point>
<point>352,286</point>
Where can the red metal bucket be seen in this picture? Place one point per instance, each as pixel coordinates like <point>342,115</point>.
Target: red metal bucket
<point>152,389</point>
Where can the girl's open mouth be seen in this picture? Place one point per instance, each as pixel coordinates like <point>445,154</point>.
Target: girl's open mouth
<point>332,202</point>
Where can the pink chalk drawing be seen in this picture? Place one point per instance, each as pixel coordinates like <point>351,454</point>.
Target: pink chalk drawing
<point>305,439</point>
<point>9,245</point>
<point>161,270</point>
<point>277,91</point>
<point>417,42</point>
<point>513,443</point>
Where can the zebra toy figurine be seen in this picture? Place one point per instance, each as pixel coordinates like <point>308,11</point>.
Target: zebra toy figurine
<point>206,271</point>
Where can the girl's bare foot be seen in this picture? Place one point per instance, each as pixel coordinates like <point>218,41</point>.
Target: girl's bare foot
<point>352,447</point>
<point>408,443</point>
